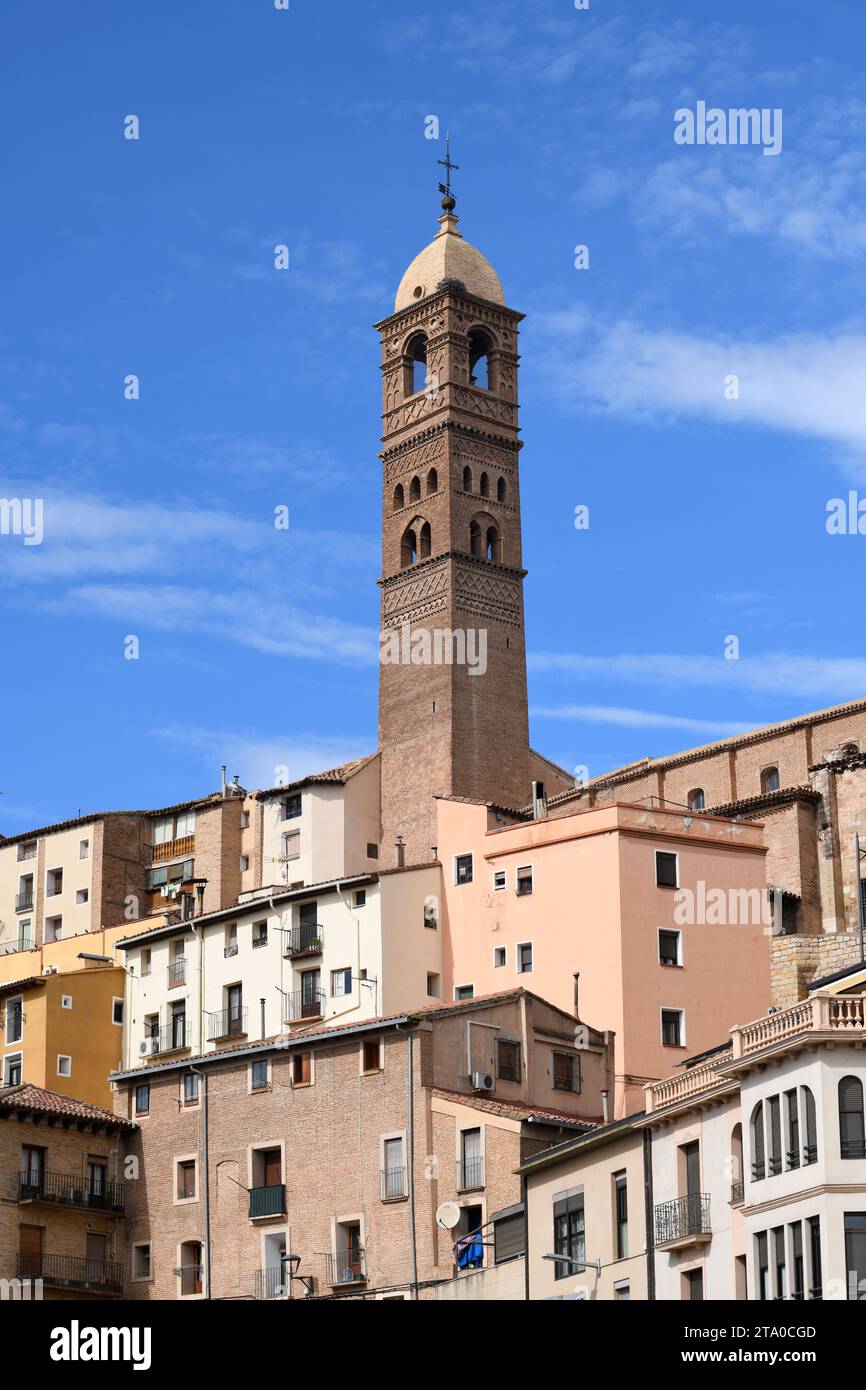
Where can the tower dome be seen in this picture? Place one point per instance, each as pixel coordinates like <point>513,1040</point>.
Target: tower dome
<point>448,257</point>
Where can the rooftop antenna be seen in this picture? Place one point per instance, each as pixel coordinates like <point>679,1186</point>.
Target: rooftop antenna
<point>448,165</point>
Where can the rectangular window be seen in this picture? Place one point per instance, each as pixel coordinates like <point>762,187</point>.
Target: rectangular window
<point>779,1261</point>
<point>190,1088</point>
<point>432,985</point>
<point>245,863</point>
<point>500,880</point>
<point>231,946</point>
<point>393,1170</point>
<point>27,849</point>
<point>301,1068</point>
<point>774,1158</point>
<point>81,896</point>
<point>117,1011</point>
<point>524,958</point>
<point>464,992</point>
<point>83,849</point>
<point>186,1179</point>
<point>290,807</point>
<point>12,1069</point>
<point>66,1001</point>
<point>816,1289</point>
<point>372,851</point>
<point>64,1064</point>
<point>259,1074</point>
<point>55,882</point>
<point>260,934</point>
<point>141,1261</point>
<point>53,928</point>
<point>145,962</point>
<point>855,1254</point>
<point>291,845</point>
<point>185,825</point>
<point>470,1176</point>
<point>462,868</point>
<point>163,830</point>
<point>500,956</point>
<point>672,1026</point>
<point>341,982</point>
<point>507,1060</point>
<point>620,1196</point>
<point>666,869</point>
<point>142,1099</point>
<point>762,1266</point>
<point>622,1291</point>
<point>694,1285</point>
<point>797,1266</point>
<point>14,1019</point>
<point>569,1233</point>
<point>245,820</point>
<point>670,943</point>
<point>524,881</point>
<point>566,1072</point>
<point>360,897</point>
<point>793,1145</point>
<point>371,1054</point>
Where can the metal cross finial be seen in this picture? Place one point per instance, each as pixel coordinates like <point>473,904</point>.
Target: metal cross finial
<point>448,166</point>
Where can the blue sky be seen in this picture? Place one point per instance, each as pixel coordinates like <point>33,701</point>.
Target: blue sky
<point>261,388</point>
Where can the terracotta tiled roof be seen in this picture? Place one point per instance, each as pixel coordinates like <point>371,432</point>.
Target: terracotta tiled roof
<point>39,1101</point>
<point>31,980</point>
<point>519,1110</point>
<point>766,801</point>
<point>335,775</point>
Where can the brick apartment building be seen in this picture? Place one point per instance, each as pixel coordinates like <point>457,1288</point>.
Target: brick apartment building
<point>338,1146</point>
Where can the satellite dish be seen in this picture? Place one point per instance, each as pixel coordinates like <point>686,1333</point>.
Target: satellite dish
<point>447,1215</point>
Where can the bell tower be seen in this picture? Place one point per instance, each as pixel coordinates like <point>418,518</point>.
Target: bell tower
<point>452,679</point>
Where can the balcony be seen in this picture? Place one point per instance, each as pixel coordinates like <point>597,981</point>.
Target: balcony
<point>190,1279</point>
<point>305,940</point>
<point>272,1283</point>
<point>26,851</point>
<point>470,1174</point>
<point>303,1004</point>
<point>684,1221</point>
<point>227,1023</point>
<point>20,943</point>
<point>176,972</point>
<point>172,1037</point>
<point>173,848</point>
<point>67,1272</point>
<point>24,901</point>
<point>392,1184</point>
<point>68,1190</point>
<point>738,1192</point>
<point>267,1201</point>
<point>346,1267</point>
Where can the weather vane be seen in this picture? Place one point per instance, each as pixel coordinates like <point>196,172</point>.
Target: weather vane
<point>448,166</point>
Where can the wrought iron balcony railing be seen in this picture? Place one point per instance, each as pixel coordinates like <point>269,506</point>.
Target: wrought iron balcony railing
<point>24,901</point>
<point>302,1004</point>
<point>393,1183</point>
<point>177,972</point>
<point>228,1023</point>
<point>272,1282</point>
<point>306,940</point>
<point>69,1272</point>
<point>738,1191</point>
<point>267,1201</point>
<point>26,851</point>
<point>683,1218</point>
<point>190,1279</point>
<point>470,1174</point>
<point>172,1037</point>
<point>346,1267</point>
<point>69,1190</point>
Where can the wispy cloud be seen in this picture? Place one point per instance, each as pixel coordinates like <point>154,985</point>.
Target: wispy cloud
<point>637,718</point>
<point>260,760</point>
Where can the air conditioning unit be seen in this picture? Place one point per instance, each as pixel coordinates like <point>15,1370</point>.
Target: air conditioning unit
<point>148,1047</point>
<point>51,970</point>
<point>483,1081</point>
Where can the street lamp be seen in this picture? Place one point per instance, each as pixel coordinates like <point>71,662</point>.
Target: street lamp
<point>292,1264</point>
<point>580,1266</point>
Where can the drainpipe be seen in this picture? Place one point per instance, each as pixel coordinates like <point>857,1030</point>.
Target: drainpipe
<point>648,1214</point>
<point>205,1182</point>
<point>524,1197</point>
<point>410,1157</point>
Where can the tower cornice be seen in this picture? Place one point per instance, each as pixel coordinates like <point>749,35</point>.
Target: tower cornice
<point>420,309</point>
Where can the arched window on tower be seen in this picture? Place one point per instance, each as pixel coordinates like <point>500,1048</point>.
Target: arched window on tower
<point>415,374</point>
<point>493,544</point>
<point>432,481</point>
<point>424,548</point>
<point>484,485</point>
<point>770,780</point>
<point>415,490</point>
<point>500,490</point>
<point>485,542</point>
<point>467,479</point>
<point>399,500</point>
<point>475,547</point>
<point>696,799</point>
<point>408,547</point>
<point>479,360</point>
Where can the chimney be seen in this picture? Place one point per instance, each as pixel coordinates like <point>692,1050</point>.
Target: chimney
<point>400,852</point>
<point>576,993</point>
<point>223,781</point>
<point>539,804</point>
<point>604,1106</point>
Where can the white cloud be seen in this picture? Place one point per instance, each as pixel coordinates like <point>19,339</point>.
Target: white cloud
<point>259,759</point>
<point>637,719</point>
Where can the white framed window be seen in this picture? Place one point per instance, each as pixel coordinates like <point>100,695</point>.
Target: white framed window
<point>81,896</point>
<point>464,868</point>
<point>500,956</point>
<point>393,1167</point>
<point>185,825</point>
<point>667,868</point>
<point>14,1011</point>
<point>341,982</point>
<point>64,1064</point>
<point>66,1001</point>
<point>163,830</point>
<point>12,1069</point>
<point>142,1262</point>
<point>672,1023</point>
<point>117,1010</point>
<point>53,928</point>
<point>670,946</point>
<point>464,992</point>
<point>433,986</point>
<point>500,880</point>
<point>83,849</point>
<point>523,952</point>
<point>185,1179</point>
<point>189,1088</point>
<point>145,961</point>
<point>53,883</point>
<point>245,863</point>
<point>523,881</point>
<point>245,820</point>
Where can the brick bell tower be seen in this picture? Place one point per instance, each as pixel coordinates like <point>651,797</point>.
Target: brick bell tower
<point>451,548</point>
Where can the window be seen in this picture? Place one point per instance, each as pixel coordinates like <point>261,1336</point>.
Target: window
<point>416,374</point>
<point>816,1286</point>
<point>117,1011</point>
<point>12,1069</point>
<point>142,1099</point>
<point>432,985</point>
<point>855,1253</point>
<point>500,956</point>
<point>479,360</point>
<point>399,498</point>
<point>145,961</point>
<point>53,928</point>
<point>793,1143</point>
<point>432,481</point>
<point>666,869</point>
<point>81,896</point>
<point>508,1235</point>
<point>566,1072</point>
<point>360,897</point>
<point>290,806</point>
<point>163,830</point>
<point>467,479</point>
<point>670,947</point>
<point>245,863</point>
<point>770,780</point>
<point>64,1064</point>
<point>14,1019</point>
<point>693,1285</point>
<point>500,490</point>
<point>798,1286</point>
<point>673,1028</point>
<point>620,1202</point>
<point>463,868</point>
<point>260,934</point>
<point>464,992</point>
<point>190,1088</point>
<point>371,1055</point>
<point>186,1179</point>
<point>393,1170</point>
<point>184,825</point>
<point>55,883</point>
<point>781,1273</point>
<point>696,799</point>
<point>259,1074</point>
<point>302,1068</point>
<point>291,845</point>
<point>470,1173</point>
<point>762,1266</point>
<point>66,1001</point>
<point>774,1117</point>
<point>757,1131</point>
<point>500,880</point>
<point>810,1148</point>
<point>622,1291</point>
<point>341,982</point>
<point>524,881</point>
<point>507,1060</point>
<point>190,1270</point>
<point>524,958</point>
<point>231,946</point>
<point>142,1261</point>
<point>372,851</point>
<point>27,849</point>
<point>83,849</point>
<point>852,1137</point>
<point>245,820</point>
<point>569,1232</point>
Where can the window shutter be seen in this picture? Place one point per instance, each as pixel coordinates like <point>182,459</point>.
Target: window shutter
<point>811,1124</point>
<point>508,1238</point>
<point>693,1169</point>
<point>758,1141</point>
